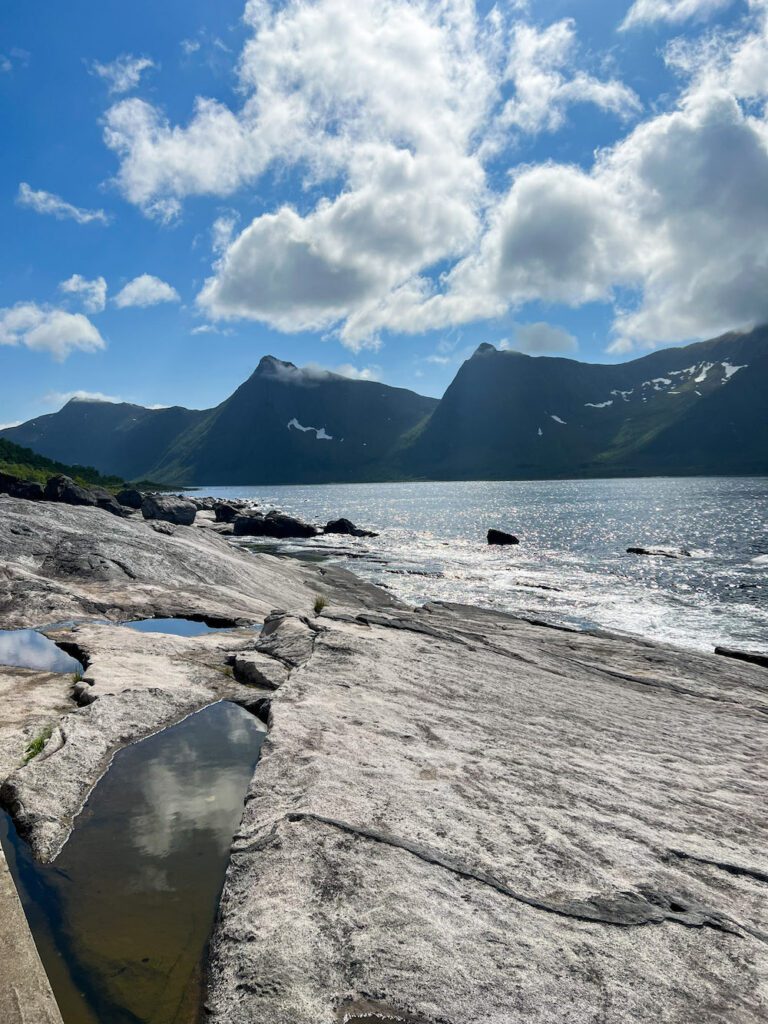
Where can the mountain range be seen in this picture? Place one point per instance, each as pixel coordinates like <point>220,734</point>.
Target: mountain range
<point>699,409</point>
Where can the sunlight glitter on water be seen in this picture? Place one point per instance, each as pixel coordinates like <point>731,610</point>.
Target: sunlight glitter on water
<point>571,566</point>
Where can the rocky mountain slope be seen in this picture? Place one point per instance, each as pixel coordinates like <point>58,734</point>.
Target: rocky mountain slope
<point>700,409</point>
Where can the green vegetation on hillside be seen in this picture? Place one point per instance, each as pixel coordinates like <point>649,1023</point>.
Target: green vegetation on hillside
<point>28,465</point>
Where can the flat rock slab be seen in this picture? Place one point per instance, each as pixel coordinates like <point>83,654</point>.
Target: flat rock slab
<point>60,562</point>
<point>459,817</point>
<point>29,702</point>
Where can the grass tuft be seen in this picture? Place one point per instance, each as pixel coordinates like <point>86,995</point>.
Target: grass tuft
<point>320,603</point>
<point>37,744</point>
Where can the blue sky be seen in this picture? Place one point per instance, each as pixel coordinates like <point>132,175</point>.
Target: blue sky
<point>373,187</point>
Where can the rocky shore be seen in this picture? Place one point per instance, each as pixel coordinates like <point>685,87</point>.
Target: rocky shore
<point>458,816</point>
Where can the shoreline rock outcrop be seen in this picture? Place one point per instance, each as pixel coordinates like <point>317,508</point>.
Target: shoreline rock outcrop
<point>458,816</point>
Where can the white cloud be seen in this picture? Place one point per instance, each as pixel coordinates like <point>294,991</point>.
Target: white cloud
<point>94,293</point>
<point>649,12</point>
<point>190,46</point>
<point>62,397</point>
<point>358,373</point>
<point>145,290</point>
<point>222,232</point>
<point>404,166</point>
<point>669,223</point>
<point>15,423</point>
<point>542,338</point>
<point>47,202</point>
<point>124,73</point>
<point>546,83</point>
<point>45,329</point>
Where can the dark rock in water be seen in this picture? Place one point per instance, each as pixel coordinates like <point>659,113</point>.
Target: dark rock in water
<point>348,528</point>
<point>226,513</point>
<point>63,489</point>
<point>753,657</point>
<point>501,538</point>
<point>130,497</point>
<point>169,509</point>
<point>203,504</point>
<point>660,552</point>
<point>273,524</point>
<point>18,488</point>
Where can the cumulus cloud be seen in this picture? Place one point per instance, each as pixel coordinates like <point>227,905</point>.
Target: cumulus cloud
<point>404,167</point>
<point>145,290</point>
<point>541,338</point>
<point>541,69</point>
<point>124,73</point>
<point>650,12</point>
<point>47,202</point>
<point>93,293</point>
<point>423,224</point>
<point>45,329</point>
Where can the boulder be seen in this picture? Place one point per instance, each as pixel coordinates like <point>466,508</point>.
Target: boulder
<point>130,497</point>
<point>18,488</point>
<point>109,503</point>
<point>347,528</point>
<point>169,508</point>
<point>273,524</point>
<point>225,513</point>
<point>64,490</point>
<point>203,504</point>
<point>499,537</point>
<point>660,552</point>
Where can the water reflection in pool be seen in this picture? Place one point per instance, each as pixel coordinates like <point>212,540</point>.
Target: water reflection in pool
<point>123,916</point>
<point>176,627</point>
<point>26,648</point>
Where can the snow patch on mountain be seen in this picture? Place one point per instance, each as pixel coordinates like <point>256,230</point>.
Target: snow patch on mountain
<point>729,369</point>
<point>319,432</point>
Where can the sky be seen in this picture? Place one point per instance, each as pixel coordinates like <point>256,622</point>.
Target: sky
<point>374,187</point>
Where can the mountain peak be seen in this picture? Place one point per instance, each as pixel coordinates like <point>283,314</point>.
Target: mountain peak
<point>269,365</point>
<point>483,349</point>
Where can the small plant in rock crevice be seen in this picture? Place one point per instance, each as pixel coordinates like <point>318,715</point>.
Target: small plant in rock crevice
<point>36,745</point>
<point>320,603</point>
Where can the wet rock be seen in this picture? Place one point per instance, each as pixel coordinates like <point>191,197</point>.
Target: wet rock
<point>499,537</point>
<point>753,657</point>
<point>169,508</point>
<point>273,524</point>
<point>130,498</point>
<point>660,552</point>
<point>347,528</point>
